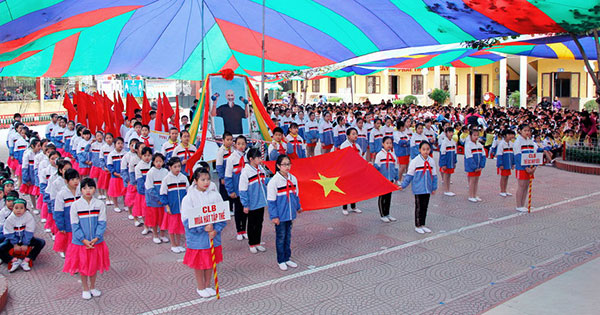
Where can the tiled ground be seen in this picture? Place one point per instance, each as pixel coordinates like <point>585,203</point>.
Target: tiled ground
<point>480,255</point>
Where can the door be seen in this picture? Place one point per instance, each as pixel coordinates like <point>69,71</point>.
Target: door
<point>478,88</point>
<point>575,97</point>
<point>562,87</point>
<point>393,88</point>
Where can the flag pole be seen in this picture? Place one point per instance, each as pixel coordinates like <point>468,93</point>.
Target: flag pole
<point>262,75</point>
<point>202,43</point>
<point>214,261</point>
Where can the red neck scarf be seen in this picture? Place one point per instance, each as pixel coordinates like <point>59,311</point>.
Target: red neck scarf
<point>427,167</point>
<point>146,141</point>
<point>389,157</point>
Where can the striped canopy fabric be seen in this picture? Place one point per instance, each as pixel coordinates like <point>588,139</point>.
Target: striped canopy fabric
<point>556,47</point>
<point>163,38</point>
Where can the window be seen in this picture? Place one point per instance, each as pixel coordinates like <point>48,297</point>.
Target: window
<point>332,85</point>
<point>373,84</point>
<point>416,84</point>
<point>445,82</point>
<point>562,84</point>
<point>316,85</point>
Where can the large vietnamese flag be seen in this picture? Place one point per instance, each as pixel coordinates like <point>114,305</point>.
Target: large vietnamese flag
<point>335,179</point>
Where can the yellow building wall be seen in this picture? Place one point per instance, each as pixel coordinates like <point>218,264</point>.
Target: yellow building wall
<point>565,65</point>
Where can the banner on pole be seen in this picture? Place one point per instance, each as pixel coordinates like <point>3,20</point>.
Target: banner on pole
<point>209,214</point>
<point>156,87</point>
<point>133,87</point>
<point>531,159</point>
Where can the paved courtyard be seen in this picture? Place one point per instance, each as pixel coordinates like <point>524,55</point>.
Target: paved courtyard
<point>478,256</point>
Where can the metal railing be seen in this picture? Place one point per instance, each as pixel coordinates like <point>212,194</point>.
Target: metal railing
<point>585,152</point>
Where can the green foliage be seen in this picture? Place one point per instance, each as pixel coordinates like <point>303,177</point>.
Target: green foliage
<point>398,102</point>
<point>514,100</point>
<point>411,99</point>
<point>591,105</point>
<point>583,154</point>
<point>334,99</point>
<point>439,96</point>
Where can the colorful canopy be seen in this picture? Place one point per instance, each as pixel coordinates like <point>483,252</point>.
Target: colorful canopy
<point>557,47</point>
<point>163,38</point>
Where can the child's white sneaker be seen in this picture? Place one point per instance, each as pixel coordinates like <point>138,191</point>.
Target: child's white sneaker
<point>522,209</point>
<point>344,212</point>
<point>253,249</point>
<point>43,220</point>
<point>239,237</point>
<point>14,265</point>
<point>95,292</point>
<point>130,217</point>
<point>245,236</point>
<point>47,230</point>
<point>282,266</point>
<point>392,218</point>
<point>260,248</point>
<point>503,194</point>
<point>203,293</point>
<point>25,265</point>
<point>508,194</point>
<point>175,249</point>
<point>478,199</point>
<point>181,249</point>
<point>62,254</point>
<point>356,210</point>
<point>164,239</point>
<point>117,209</point>
<point>291,264</point>
<point>211,291</point>
<point>419,230</point>
<point>472,199</point>
<point>385,219</point>
<point>145,231</point>
<point>102,197</point>
<point>86,295</point>
<point>156,240</point>
<point>137,223</point>
<point>449,193</point>
<point>36,211</point>
<point>426,229</point>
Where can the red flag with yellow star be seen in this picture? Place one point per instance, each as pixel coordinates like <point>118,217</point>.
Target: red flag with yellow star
<point>335,179</point>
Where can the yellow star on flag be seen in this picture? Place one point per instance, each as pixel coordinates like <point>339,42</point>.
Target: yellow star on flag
<point>328,184</point>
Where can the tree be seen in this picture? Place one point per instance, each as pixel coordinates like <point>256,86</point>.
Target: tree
<point>439,96</point>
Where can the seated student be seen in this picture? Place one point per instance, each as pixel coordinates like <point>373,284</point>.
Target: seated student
<point>18,230</point>
<point>277,147</point>
<point>7,210</point>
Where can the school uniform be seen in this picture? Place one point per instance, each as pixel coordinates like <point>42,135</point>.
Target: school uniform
<point>67,138</point>
<point>172,191</point>
<point>57,137</point>
<point>49,128</point>
<point>155,209</point>
<point>141,171</point>
<point>62,207</point>
<point>505,157</point>
<point>387,131</point>
<point>375,139</point>
<point>96,158</point>
<point>430,134</point>
<point>167,149</point>
<point>39,159</point>
<point>402,147</point>
<point>283,203</point>
<point>27,173</point>
<point>43,177</point>
<point>233,170</point>
<point>11,140</point>
<point>85,155</point>
<point>386,163</point>
<point>448,156</point>
<point>523,146</point>
<point>198,254</point>
<point>474,158</point>
<point>104,176</point>
<point>184,154</point>
<point>339,134</point>
<point>20,231</point>
<point>116,187</point>
<point>362,140</point>
<point>129,168</point>
<point>20,146</point>
<point>276,149</point>
<point>295,145</point>
<point>223,154</point>
<point>88,221</point>
<point>326,135</point>
<point>311,134</point>
<point>301,126</point>
<point>415,142</point>
<point>422,173</point>
<point>253,195</point>
<point>285,122</point>
<point>4,213</point>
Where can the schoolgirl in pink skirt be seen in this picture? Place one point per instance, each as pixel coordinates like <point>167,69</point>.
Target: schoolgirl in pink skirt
<point>141,172</point>
<point>156,209</point>
<point>88,254</point>
<point>172,191</point>
<point>116,188</point>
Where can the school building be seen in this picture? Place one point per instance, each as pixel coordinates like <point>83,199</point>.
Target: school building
<point>567,79</point>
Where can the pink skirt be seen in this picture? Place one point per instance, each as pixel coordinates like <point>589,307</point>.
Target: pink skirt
<point>154,216</point>
<point>202,258</point>
<point>61,151</point>
<point>50,224</point>
<point>44,212</point>
<point>12,163</point>
<point>115,187</point>
<point>139,208</point>
<point>130,196</point>
<point>18,170</point>
<point>26,189</point>
<point>172,223</point>
<point>84,171</point>
<point>62,241</point>
<point>103,180</point>
<point>95,172</point>
<point>87,261</point>
<point>39,202</point>
<point>35,190</point>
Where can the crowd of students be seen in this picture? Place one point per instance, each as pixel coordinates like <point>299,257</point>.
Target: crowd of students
<point>70,175</point>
